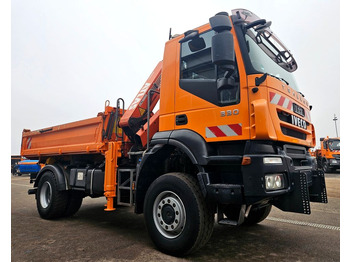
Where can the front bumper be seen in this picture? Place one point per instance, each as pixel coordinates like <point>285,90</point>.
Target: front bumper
<point>302,185</point>
<point>334,163</point>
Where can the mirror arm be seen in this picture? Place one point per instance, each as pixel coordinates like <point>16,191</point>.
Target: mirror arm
<point>229,70</point>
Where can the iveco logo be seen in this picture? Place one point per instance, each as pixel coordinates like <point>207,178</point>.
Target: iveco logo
<point>229,112</point>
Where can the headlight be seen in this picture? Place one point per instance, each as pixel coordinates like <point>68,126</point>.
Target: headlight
<point>333,161</point>
<point>272,160</point>
<point>274,182</point>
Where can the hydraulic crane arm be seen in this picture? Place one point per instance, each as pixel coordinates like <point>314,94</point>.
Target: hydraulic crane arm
<point>136,116</point>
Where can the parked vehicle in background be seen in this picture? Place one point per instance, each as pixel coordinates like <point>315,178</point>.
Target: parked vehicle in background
<point>31,167</point>
<point>328,156</point>
<point>14,161</point>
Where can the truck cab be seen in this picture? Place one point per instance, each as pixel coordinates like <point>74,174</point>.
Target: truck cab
<point>328,156</point>
<point>230,103</point>
<point>256,99</point>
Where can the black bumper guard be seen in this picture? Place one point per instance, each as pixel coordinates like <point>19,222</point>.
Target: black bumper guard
<point>317,191</point>
<point>303,185</point>
<point>298,200</point>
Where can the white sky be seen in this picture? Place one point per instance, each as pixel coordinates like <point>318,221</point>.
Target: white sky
<point>68,57</point>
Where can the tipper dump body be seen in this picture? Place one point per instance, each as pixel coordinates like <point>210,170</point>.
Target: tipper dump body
<point>87,136</point>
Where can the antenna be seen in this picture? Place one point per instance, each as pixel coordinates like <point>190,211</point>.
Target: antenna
<point>170,36</point>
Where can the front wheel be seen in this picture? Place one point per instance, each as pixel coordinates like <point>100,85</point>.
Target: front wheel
<point>178,219</point>
<point>325,166</point>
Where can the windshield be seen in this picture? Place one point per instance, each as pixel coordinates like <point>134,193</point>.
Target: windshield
<point>266,52</point>
<point>334,145</point>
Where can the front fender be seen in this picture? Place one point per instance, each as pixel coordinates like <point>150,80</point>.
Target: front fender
<point>191,143</point>
<point>163,144</point>
<point>148,170</point>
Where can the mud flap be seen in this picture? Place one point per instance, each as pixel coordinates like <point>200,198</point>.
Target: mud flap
<point>298,200</point>
<point>317,191</point>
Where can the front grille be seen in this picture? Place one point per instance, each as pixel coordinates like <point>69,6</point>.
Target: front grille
<point>285,117</point>
<point>336,156</point>
<point>290,132</point>
<point>295,151</point>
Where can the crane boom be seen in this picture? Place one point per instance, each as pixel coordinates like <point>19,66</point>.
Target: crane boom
<point>136,115</point>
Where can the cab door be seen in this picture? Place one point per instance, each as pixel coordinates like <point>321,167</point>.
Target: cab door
<point>216,111</point>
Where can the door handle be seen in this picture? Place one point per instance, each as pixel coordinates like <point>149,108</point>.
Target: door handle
<point>181,120</point>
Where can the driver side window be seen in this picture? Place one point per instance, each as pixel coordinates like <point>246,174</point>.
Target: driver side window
<point>200,76</point>
<point>197,64</point>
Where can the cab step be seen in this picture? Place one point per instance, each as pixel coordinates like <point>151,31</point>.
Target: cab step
<point>125,191</point>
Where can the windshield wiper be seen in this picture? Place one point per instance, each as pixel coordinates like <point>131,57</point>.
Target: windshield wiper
<point>279,78</point>
<point>261,79</point>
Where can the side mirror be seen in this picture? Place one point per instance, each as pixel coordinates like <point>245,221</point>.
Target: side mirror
<point>220,22</point>
<point>222,42</point>
<point>222,49</point>
<point>223,54</point>
<point>196,44</point>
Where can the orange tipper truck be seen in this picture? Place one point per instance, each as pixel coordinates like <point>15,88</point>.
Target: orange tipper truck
<point>328,156</point>
<point>230,138</point>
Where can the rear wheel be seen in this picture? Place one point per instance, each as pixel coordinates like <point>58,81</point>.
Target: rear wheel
<point>177,218</point>
<point>74,203</point>
<point>51,203</point>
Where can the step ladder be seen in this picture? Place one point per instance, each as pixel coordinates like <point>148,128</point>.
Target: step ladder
<point>126,179</point>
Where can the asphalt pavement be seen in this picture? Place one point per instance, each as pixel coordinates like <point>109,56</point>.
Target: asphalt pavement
<point>95,235</point>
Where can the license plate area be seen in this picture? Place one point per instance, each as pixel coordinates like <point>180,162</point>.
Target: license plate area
<point>298,110</point>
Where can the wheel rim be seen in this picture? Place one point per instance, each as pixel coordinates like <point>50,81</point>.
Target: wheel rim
<point>169,214</point>
<point>45,194</point>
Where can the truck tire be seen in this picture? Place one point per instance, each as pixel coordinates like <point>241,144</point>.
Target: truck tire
<point>256,215</point>
<point>50,202</point>
<point>74,203</point>
<point>178,219</point>
<point>325,166</point>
